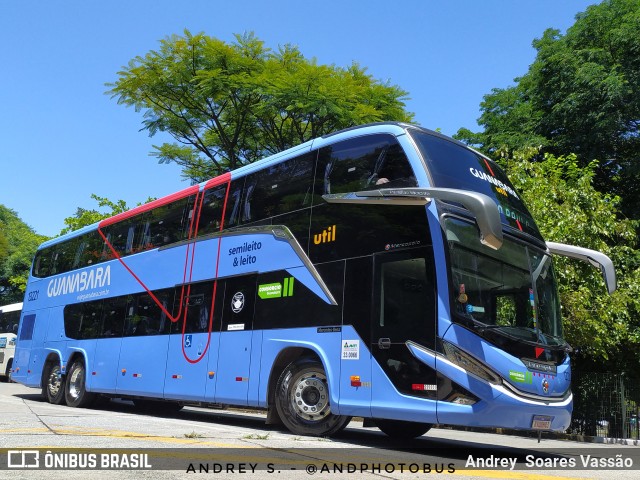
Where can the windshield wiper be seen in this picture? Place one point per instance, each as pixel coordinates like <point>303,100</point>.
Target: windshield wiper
<point>564,345</point>
<point>477,324</point>
<point>536,335</point>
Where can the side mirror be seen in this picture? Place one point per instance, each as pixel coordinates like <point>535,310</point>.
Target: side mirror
<point>595,258</point>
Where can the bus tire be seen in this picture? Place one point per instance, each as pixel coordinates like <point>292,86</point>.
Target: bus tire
<point>75,390</point>
<point>9,368</point>
<point>54,384</point>
<point>401,429</point>
<point>302,400</point>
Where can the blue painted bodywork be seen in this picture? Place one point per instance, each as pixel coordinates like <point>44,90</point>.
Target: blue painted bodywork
<point>235,367</point>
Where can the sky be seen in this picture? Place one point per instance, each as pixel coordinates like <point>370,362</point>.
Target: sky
<point>62,138</point>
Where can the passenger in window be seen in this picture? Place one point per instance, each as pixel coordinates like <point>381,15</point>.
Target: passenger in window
<point>395,172</point>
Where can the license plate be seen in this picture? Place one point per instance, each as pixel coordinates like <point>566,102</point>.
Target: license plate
<point>541,422</point>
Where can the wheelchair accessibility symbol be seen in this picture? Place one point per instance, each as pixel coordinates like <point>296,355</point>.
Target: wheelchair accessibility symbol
<point>187,341</point>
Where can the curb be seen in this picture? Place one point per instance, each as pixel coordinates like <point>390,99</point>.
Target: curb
<point>553,436</point>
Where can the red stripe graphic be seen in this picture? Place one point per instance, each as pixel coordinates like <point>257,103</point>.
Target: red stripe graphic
<point>149,206</point>
<point>215,283</point>
<point>489,167</point>
<point>192,234</point>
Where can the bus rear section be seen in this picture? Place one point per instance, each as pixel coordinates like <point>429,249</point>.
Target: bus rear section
<point>9,321</point>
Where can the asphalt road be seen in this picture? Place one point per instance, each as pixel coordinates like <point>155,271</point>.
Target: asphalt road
<point>229,444</point>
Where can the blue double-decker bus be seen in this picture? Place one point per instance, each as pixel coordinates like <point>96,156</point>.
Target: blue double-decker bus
<point>385,271</point>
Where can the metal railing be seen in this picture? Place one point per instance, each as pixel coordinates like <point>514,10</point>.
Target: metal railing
<point>605,405</point>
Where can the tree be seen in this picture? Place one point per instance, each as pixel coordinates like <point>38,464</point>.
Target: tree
<point>229,104</point>
<point>580,95</point>
<point>18,245</point>
<point>604,329</point>
<point>84,217</point>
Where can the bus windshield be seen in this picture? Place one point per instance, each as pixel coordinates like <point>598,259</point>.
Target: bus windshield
<point>511,291</point>
<point>451,165</point>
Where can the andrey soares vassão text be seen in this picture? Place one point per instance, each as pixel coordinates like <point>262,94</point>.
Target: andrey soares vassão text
<point>531,461</point>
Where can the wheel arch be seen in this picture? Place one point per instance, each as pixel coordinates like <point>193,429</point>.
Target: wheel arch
<point>76,355</point>
<point>53,357</point>
<point>284,358</point>
<point>77,393</point>
<point>81,353</point>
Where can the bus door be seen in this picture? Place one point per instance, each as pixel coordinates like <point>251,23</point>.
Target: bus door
<point>30,355</point>
<point>143,354</point>
<point>188,374</point>
<point>233,366</point>
<point>404,311</point>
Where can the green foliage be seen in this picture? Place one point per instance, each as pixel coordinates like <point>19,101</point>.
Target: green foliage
<point>562,198</point>
<point>580,95</point>
<point>229,104</point>
<point>18,244</point>
<point>84,217</point>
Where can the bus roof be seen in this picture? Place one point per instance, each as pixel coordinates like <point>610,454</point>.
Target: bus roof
<point>393,128</point>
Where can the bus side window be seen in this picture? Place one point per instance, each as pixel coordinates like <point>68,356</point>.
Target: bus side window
<point>82,320</point>
<point>281,188</point>
<point>130,319</point>
<point>198,306</point>
<point>169,223</point>
<point>118,235</point>
<point>393,170</point>
<point>42,263</point>
<point>211,210</point>
<point>146,242</point>
<point>234,204</point>
<point>79,259</point>
<point>113,314</point>
<point>63,256</point>
<point>363,163</point>
<point>150,319</point>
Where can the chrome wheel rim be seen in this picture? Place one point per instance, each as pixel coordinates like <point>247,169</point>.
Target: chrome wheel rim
<point>54,381</point>
<point>76,382</point>
<point>310,396</point>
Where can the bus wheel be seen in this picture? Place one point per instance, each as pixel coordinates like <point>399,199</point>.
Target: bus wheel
<point>54,384</point>
<point>9,369</point>
<point>302,400</point>
<point>75,387</point>
<point>401,429</point>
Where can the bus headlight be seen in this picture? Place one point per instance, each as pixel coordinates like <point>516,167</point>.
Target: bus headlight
<point>470,364</point>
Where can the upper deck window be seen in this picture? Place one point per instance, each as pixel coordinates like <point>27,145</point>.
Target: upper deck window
<point>281,188</point>
<point>155,228</point>
<point>363,163</point>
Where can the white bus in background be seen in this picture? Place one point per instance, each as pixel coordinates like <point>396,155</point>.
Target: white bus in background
<point>9,320</point>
